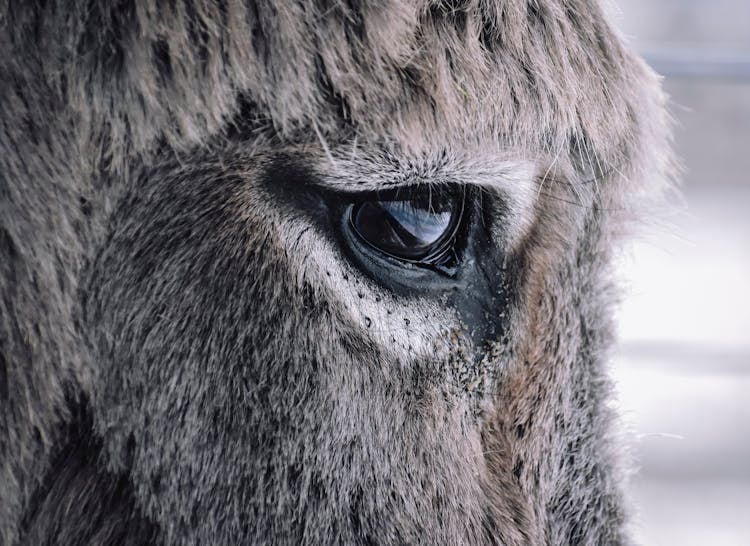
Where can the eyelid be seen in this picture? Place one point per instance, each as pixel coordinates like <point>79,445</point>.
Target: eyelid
<point>392,193</point>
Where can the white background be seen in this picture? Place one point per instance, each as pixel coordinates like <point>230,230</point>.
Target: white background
<point>683,369</point>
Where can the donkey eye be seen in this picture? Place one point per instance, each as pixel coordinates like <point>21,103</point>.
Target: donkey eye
<point>416,225</point>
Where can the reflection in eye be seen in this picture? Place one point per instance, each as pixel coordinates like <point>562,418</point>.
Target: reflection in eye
<point>420,228</point>
<point>424,226</point>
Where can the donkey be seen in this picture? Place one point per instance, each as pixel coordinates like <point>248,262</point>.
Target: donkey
<point>311,272</point>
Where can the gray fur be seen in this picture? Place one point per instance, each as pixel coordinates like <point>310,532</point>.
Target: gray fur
<point>184,360</point>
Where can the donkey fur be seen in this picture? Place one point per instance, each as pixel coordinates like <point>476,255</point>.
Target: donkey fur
<point>174,370</point>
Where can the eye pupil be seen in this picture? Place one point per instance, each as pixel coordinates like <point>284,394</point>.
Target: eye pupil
<point>417,228</point>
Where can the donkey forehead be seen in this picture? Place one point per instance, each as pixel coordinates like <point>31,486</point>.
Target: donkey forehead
<point>428,75</point>
<point>425,76</point>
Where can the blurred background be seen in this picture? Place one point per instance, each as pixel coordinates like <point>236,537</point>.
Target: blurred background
<point>683,368</point>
